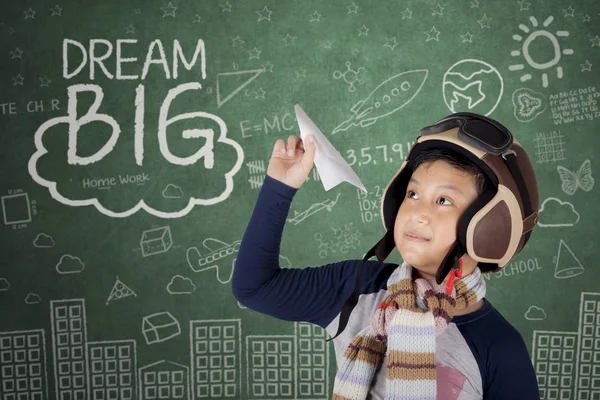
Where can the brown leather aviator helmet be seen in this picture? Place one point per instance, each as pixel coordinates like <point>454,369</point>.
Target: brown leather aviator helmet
<point>498,224</point>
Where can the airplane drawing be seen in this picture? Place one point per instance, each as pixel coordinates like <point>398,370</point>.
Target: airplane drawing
<point>218,250</point>
<point>313,209</point>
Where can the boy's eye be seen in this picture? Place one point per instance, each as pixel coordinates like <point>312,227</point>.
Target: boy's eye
<point>409,194</point>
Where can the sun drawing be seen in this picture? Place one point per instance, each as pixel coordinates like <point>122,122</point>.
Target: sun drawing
<point>529,40</point>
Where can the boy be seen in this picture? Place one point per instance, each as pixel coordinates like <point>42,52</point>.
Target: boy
<point>463,202</point>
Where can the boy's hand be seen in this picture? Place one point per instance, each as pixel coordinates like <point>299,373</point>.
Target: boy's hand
<point>291,164</point>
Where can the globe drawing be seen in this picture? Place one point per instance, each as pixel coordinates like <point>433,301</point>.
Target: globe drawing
<point>472,85</point>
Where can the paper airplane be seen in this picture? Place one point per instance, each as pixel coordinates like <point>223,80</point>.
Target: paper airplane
<point>331,166</point>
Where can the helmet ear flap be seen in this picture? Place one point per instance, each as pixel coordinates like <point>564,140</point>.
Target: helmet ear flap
<point>494,228</point>
<point>467,216</point>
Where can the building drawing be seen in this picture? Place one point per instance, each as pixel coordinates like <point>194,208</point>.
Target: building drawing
<point>23,370</point>
<point>294,366</point>
<point>112,369</point>
<point>567,364</point>
<point>69,349</point>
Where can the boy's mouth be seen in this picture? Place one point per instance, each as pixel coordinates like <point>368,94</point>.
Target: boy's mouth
<point>416,237</point>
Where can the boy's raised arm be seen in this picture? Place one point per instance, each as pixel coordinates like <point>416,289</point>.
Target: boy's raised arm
<point>312,294</point>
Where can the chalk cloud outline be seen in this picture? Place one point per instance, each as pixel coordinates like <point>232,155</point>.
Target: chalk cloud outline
<point>141,205</point>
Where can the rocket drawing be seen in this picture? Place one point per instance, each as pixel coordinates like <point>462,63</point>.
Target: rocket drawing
<point>390,96</point>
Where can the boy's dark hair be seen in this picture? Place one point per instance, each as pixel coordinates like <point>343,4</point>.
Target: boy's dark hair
<point>456,160</point>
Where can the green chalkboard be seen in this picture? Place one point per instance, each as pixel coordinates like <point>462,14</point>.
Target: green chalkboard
<point>136,136</point>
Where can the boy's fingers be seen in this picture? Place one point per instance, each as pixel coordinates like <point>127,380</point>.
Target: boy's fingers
<point>295,146</point>
<point>279,146</point>
<point>309,155</point>
<point>291,145</point>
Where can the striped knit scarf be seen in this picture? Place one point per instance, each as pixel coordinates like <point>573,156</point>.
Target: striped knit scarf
<point>404,328</point>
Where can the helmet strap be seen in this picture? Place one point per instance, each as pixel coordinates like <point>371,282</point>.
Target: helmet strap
<point>450,262</point>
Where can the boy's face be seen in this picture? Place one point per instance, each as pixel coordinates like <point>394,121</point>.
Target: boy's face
<point>436,197</point>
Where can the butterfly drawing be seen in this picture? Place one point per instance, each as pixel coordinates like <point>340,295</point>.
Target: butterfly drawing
<point>583,178</point>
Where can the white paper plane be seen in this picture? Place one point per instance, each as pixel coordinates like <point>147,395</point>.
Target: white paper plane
<point>331,166</point>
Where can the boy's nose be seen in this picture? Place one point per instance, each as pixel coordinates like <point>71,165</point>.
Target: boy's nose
<point>420,215</point>
<point>421,212</point>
